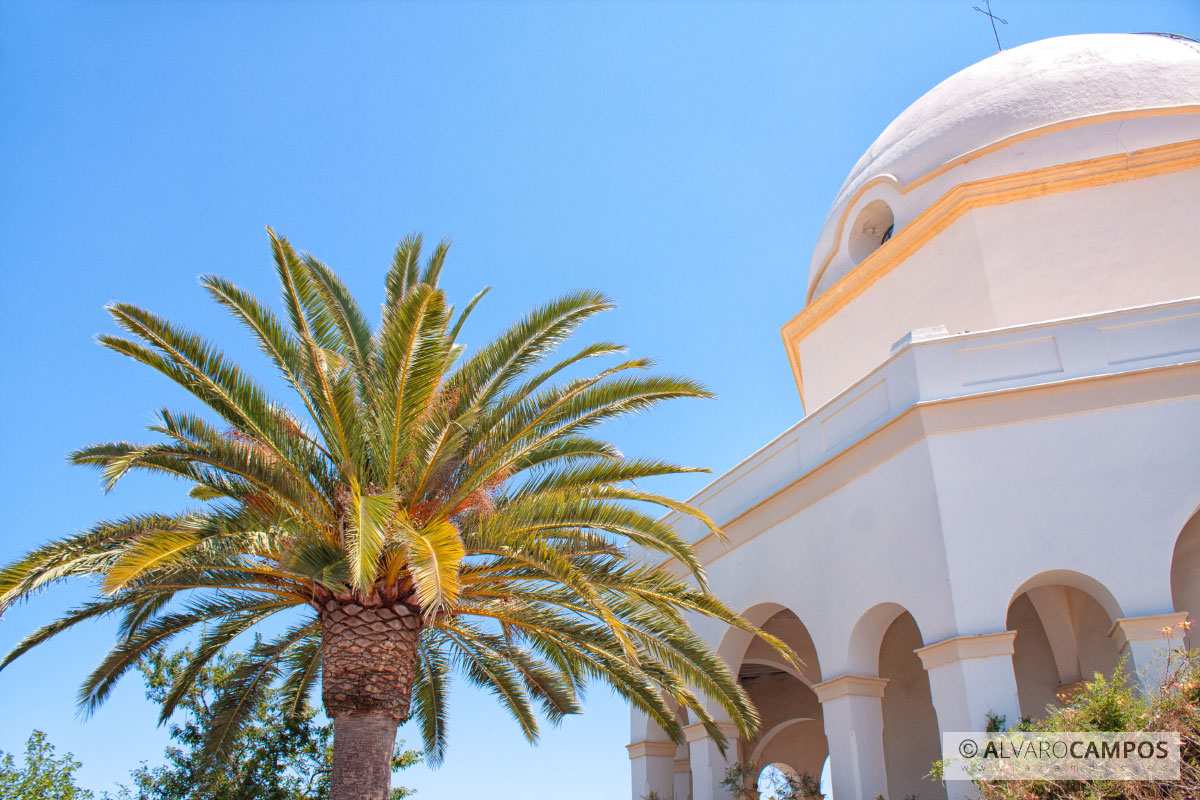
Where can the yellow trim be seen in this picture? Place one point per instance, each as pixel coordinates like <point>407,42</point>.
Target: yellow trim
<point>982,193</point>
<point>794,362</point>
<point>980,152</point>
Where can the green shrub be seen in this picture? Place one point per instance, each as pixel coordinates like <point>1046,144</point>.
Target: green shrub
<point>1115,704</point>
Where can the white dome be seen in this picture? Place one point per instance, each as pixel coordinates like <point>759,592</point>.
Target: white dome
<point>1015,91</point>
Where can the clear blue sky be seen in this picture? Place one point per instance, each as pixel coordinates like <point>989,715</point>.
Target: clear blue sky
<point>680,157</point>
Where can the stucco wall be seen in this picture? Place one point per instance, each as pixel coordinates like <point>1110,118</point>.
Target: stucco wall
<point>801,745</point>
<point>789,562</point>
<point>1103,494</point>
<point>1048,102</point>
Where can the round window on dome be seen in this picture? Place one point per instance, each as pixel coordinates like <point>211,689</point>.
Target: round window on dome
<point>873,227</point>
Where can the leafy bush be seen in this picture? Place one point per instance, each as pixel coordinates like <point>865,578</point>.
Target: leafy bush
<point>1117,704</point>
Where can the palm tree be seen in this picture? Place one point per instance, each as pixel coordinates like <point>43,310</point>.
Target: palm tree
<point>428,514</point>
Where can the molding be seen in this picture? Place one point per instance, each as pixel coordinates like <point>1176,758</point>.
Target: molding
<point>980,152</point>
<point>963,648</point>
<point>947,415</point>
<point>1147,629</point>
<point>850,685</point>
<point>651,748</point>
<point>697,733</point>
<point>682,766</point>
<point>965,197</point>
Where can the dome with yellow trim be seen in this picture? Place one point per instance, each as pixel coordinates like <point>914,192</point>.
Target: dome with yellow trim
<point>989,120</point>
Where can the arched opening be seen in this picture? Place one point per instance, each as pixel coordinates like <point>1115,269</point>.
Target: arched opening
<point>775,782</point>
<point>1185,576</point>
<point>882,644</point>
<point>910,731</point>
<point>781,782</point>
<point>1062,620</point>
<point>872,228</point>
<point>792,732</point>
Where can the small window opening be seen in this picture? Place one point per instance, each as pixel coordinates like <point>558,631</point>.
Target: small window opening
<point>874,226</point>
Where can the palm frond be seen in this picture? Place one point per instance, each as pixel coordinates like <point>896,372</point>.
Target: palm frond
<point>435,555</point>
<point>429,698</point>
<point>247,686</point>
<point>367,533</point>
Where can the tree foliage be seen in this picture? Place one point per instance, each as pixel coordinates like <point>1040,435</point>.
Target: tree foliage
<point>280,754</point>
<point>40,776</point>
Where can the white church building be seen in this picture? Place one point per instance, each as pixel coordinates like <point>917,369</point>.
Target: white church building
<point>996,490</point>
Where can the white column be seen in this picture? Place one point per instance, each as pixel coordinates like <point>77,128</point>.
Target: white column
<point>1147,641</point>
<point>852,706</point>
<point>651,757</point>
<point>970,677</point>
<point>707,763</point>
<point>683,778</point>
<point>653,766</point>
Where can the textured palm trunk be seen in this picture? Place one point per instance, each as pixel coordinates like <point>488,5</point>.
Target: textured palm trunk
<point>368,660</point>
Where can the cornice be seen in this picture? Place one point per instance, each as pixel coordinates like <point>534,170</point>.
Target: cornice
<point>850,685</point>
<point>652,748</point>
<point>964,648</point>
<point>1148,629</point>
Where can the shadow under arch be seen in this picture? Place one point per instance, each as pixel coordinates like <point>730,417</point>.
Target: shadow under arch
<point>765,739</point>
<point>1063,621</point>
<point>1076,580</point>
<point>1185,575</point>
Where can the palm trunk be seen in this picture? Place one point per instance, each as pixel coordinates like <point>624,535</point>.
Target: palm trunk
<point>368,659</point>
<point>362,756</point>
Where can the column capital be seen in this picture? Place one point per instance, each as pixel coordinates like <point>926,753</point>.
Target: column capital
<point>696,732</point>
<point>855,685</point>
<point>1147,629</point>
<point>683,766</point>
<point>650,747</point>
<point>961,648</point>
